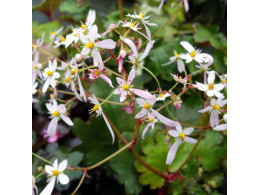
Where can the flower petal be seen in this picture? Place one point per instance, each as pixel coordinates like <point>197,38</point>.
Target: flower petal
<point>205,109</point>
<point>107,80</point>
<point>52,127</point>
<point>106,44</point>
<point>66,120</point>
<point>63,165</point>
<point>220,127</point>
<point>49,188</point>
<point>109,127</point>
<point>187,46</point>
<point>140,101</point>
<point>131,76</point>
<point>211,77</point>
<point>63,179</point>
<point>173,133</point>
<point>145,130</point>
<point>180,65</point>
<point>131,45</point>
<point>188,131</point>
<point>147,50</point>
<point>190,140</point>
<point>141,93</point>
<point>214,119</point>
<point>163,119</point>
<point>172,152</point>
<point>141,114</point>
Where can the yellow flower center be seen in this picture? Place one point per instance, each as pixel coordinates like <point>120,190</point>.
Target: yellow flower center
<point>62,39</point>
<point>35,67</point>
<point>83,26</point>
<point>161,95</point>
<point>90,45</point>
<point>132,24</point>
<point>151,120</point>
<point>179,78</point>
<point>192,54</point>
<point>142,15</point>
<point>55,172</point>
<point>56,113</point>
<point>126,87</point>
<point>224,81</point>
<point>53,33</point>
<point>76,34</point>
<point>176,54</point>
<point>216,107</point>
<point>67,80</point>
<point>85,32</point>
<point>34,45</point>
<point>182,135</point>
<point>97,73</point>
<point>211,86</point>
<point>74,71</point>
<point>49,73</point>
<point>147,105</point>
<point>96,107</point>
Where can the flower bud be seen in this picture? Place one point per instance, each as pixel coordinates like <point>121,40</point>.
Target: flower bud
<point>40,169</point>
<point>79,57</point>
<point>122,53</point>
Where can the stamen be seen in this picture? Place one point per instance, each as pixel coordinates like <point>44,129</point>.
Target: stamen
<point>56,113</point>
<point>182,135</point>
<point>49,73</point>
<point>96,107</point>
<point>126,87</point>
<point>216,107</point>
<point>151,120</point>
<point>142,15</point>
<point>35,67</point>
<point>53,33</point>
<point>55,172</point>
<point>176,54</point>
<point>67,80</point>
<point>62,39</point>
<point>97,73</point>
<point>161,95</point>
<point>90,45</point>
<point>132,24</point>
<point>146,106</point>
<point>74,71</point>
<point>192,54</point>
<point>211,86</point>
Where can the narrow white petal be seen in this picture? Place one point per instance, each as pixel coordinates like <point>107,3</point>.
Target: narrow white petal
<point>172,152</point>
<point>163,119</point>
<point>214,119</point>
<point>190,140</point>
<point>205,109</point>
<point>220,127</point>
<point>49,188</point>
<point>109,127</point>
<point>141,113</point>
<point>52,127</point>
<point>188,131</point>
<point>187,46</point>
<point>140,101</point>
<point>66,120</point>
<point>106,44</point>
<point>173,133</point>
<point>63,165</point>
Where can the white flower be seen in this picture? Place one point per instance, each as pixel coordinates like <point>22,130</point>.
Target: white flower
<point>54,34</point>
<point>98,109</point>
<point>214,109</point>
<point>110,28</point>
<point>141,17</point>
<point>152,120</point>
<point>50,76</point>
<point>56,111</point>
<point>125,88</point>
<point>74,36</point>
<point>60,40</point>
<point>179,79</point>
<point>146,106</point>
<point>134,59</point>
<point>38,44</point>
<point>34,187</point>
<point>181,137</point>
<point>163,119</point>
<point>55,172</point>
<point>186,5</point>
<point>36,67</point>
<point>193,54</point>
<point>177,57</point>
<point>92,46</point>
<point>34,90</point>
<point>163,96</point>
<point>223,126</point>
<point>210,88</point>
<point>223,79</point>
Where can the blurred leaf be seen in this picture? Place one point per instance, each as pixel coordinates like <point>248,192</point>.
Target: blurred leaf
<point>47,5</point>
<point>75,158</point>
<point>46,28</point>
<point>33,137</point>
<point>97,140</point>
<point>123,164</point>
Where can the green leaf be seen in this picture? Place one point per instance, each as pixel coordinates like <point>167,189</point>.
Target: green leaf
<point>123,165</point>
<point>75,158</point>
<point>39,29</point>
<point>97,140</point>
<point>47,5</point>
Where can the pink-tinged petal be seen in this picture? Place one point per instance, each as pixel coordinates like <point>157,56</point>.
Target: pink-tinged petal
<point>91,17</point>
<point>143,35</point>
<point>141,93</point>
<point>190,140</point>
<point>85,51</point>
<point>131,45</point>
<point>173,133</point>
<point>66,119</point>
<point>212,102</point>
<point>62,108</point>
<point>187,46</point>
<point>163,119</point>
<point>52,127</point>
<point>201,86</point>
<point>131,76</point>
<point>223,103</point>
<point>145,130</point>
<point>49,188</point>
<point>120,64</point>
<point>132,58</point>
<point>106,44</point>
<point>63,165</point>
<point>93,33</point>
<point>50,107</point>
<point>140,101</point>
<point>172,152</point>
<point>107,80</point>
<point>97,59</point>
<point>214,119</point>
<point>123,96</point>
<point>219,86</point>
<point>147,50</point>
<point>188,130</point>
<point>109,127</point>
<point>63,179</point>
<point>120,82</point>
<point>141,113</point>
<point>152,101</point>
<point>208,59</point>
<point>118,91</point>
<point>205,109</point>
<point>148,32</point>
<point>161,4</point>
<point>186,5</point>
<point>210,93</point>
<point>180,65</point>
<point>211,77</point>
<point>220,127</point>
<point>49,169</point>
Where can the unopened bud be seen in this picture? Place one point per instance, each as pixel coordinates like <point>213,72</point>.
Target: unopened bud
<point>40,169</point>
<point>122,53</point>
<point>79,57</point>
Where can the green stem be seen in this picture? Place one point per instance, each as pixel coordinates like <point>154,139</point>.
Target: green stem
<point>150,74</point>
<point>40,81</point>
<point>108,97</point>
<point>197,72</point>
<point>86,68</point>
<point>174,86</point>
<point>81,181</point>
<point>170,112</point>
<point>191,69</point>
<point>43,159</point>
<point>38,175</point>
<point>49,54</point>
